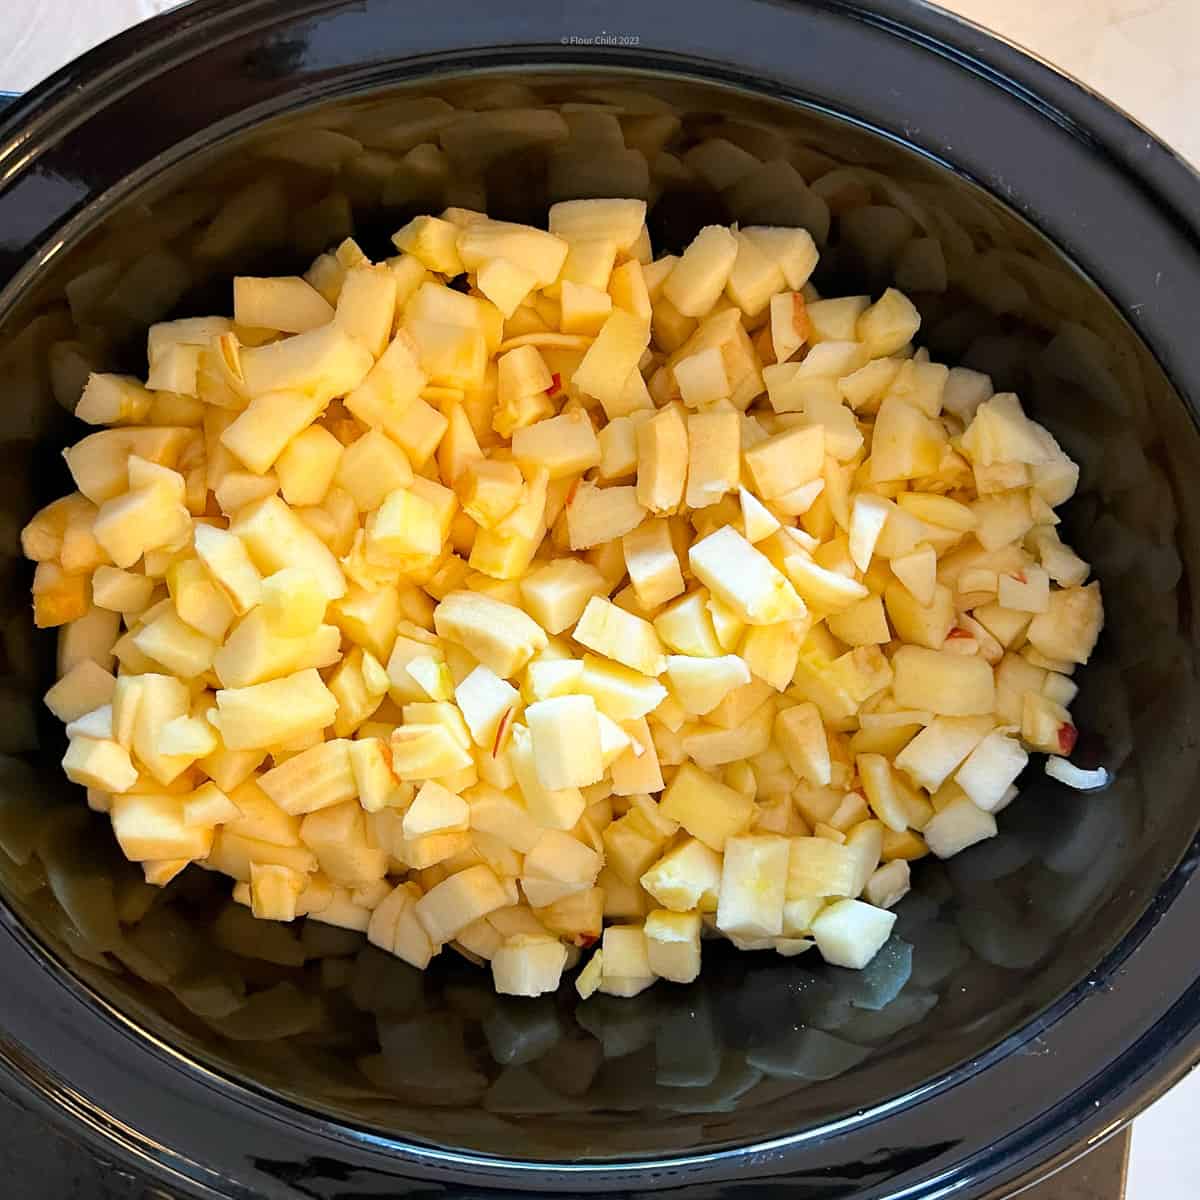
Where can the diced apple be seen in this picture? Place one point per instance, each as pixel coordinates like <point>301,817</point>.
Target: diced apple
<point>621,636</point>
<point>99,763</point>
<point>1070,626</point>
<point>754,880</point>
<point>149,827</point>
<point>564,445</point>
<point>889,324</point>
<point>566,741</point>
<point>932,756</point>
<point>621,221</point>
<point>700,684</point>
<point>652,563</point>
<point>458,900</point>
<point>687,877</point>
<point>906,444</point>
<point>597,515</point>
<point>801,735</point>
<point>528,965</point>
<point>673,944</point>
<point>625,969</point>
<point>662,444</point>
<point>280,710</point>
<point>960,824</point>
<point>943,683</point>
<point>84,688</point>
<point>743,578</point>
<point>500,636</point>
<point>611,358</point>
<point>850,933</point>
<point>708,810</point>
<point>552,808</point>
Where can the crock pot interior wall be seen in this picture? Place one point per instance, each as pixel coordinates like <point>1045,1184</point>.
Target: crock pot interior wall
<point>760,1045</point>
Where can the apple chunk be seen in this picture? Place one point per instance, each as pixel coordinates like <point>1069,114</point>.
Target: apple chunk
<point>744,578</point>
<point>944,683</point>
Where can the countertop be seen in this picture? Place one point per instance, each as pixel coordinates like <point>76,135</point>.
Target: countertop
<point>1144,55</point>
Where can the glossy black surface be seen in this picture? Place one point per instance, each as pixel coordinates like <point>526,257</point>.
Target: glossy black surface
<point>1039,988</point>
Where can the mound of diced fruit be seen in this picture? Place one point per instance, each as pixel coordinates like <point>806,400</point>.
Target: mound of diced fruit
<point>525,591</point>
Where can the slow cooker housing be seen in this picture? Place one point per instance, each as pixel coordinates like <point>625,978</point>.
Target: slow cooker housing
<point>1039,988</point>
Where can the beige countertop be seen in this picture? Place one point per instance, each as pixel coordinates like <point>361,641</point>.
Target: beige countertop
<point>1144,55</point>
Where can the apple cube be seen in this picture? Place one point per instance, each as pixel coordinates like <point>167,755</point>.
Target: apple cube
<point>316,778</point>
<point>754,880</point>
<point>528,965</point>
<point>702,379</point>
<point>394,927</point>
<point>596,515</point>
<point>99,463</point>
<point>1069,627</point>
<point>991,769</point>
<point>637,769</point>
<point>826,591</point>
<point>621,636</point>
<point>713,460</point>
<point>187,736</point>
<point>620,693</point>
<point>850,933</point>
<point>906,444</point>
<point>435,810</point>
<point>792,249</point>
<point>943,683</point>
<point>433,242</point>
<point>889,324</point>
<point>274,891</point>
<point>499,635</point>
<point>687,877</point>
<point>662,444</point>
<point>611,358</point>
<point>786,461</point>
<point>566,741</point>
<point>819,867</point>
<point>99,763</point>
<point>673,944</point>
<point>280,710</point>
<point>486,701</point>
<point>149,827</point>
<point>84,688</point>
<point>458,900</point>
<point>686,627</point>
<point>143,519</point>
<point>862,624</point>
<point>652,563</point>
<point>960,824</point>
<point>1027,590</point>
<point>489,490</point>
<point>801,736</point>
<point>922,625</point>
<point>932,756</point>
<point>699,277</point>
<point>625,969</point>
<point>58,597</point>
<point>552,808</point>
<point>707,809</point>
<point>564,445</point>
<point>743,578</point>
<point>700,684</point>
<point>619,221</point>
<point>275,538</point>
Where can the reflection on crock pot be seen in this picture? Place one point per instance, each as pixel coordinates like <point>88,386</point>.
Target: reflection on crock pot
<point>312,1010</point>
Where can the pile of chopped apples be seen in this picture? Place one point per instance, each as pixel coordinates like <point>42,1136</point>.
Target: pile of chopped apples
<point>591,597</point>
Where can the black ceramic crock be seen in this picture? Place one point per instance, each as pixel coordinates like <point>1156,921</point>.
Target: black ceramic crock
<point>1040,988</point>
